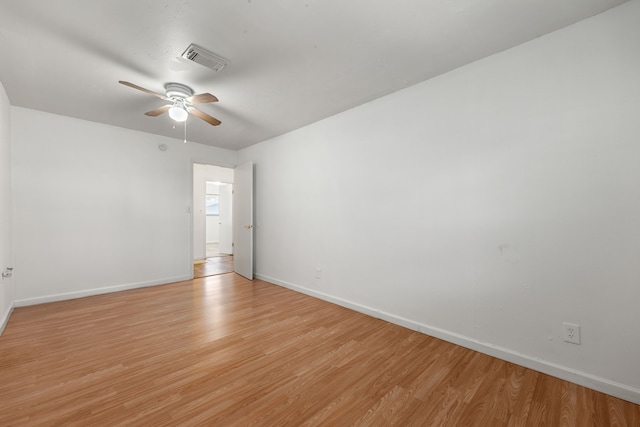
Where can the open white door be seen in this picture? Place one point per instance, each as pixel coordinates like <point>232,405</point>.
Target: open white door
<point>243,220</point>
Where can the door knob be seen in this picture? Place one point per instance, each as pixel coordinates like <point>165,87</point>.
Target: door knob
<point>248,227</point>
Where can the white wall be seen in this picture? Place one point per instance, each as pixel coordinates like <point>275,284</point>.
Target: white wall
<point>201,174</point>
<point>6,259</point>
<point>212,225</point>
<point>511,204</point>
<point>213,229</point>
<point>212,188</point>
<point>99,208</point>
<point>226,219</point>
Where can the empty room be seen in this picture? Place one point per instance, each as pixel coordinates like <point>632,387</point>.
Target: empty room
<point>429,213</point>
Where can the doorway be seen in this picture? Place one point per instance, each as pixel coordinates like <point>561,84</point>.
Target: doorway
<point>212,220</point>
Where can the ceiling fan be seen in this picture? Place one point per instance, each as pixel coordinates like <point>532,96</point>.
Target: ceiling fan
<point>181,100</point>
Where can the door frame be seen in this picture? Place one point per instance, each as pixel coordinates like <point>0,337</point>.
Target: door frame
<point>190,208</point>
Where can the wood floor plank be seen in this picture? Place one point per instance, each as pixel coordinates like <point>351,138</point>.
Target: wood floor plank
<point>224,350</point>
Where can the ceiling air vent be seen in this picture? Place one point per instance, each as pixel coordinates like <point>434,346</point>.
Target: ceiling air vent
<point>203,57</point>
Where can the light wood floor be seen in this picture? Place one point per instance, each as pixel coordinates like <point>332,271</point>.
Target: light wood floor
<point>213,266</point>
<point>224,351</point>
<point>213,250</point>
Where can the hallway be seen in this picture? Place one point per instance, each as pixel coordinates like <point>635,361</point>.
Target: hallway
<point>212,266</point>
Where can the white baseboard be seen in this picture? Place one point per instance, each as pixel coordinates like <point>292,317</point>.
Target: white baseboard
<point>613,388</point>
<point>96,291</point>
<point>5,319</point>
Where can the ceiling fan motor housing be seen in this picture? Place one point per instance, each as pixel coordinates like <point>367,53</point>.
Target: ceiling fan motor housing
<point>178,91</point>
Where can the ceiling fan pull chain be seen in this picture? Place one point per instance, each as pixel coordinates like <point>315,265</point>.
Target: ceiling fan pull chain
<point>185,131</point>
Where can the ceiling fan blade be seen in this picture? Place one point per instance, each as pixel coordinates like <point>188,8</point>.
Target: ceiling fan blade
<point>202,98</point>
<point>143,89</point>
<point>158,111</point>
<point>204,116</point>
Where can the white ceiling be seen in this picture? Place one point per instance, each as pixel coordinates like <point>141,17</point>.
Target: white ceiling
<point>292,62</point>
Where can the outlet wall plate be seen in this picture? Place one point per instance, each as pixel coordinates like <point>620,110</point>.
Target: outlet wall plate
<point>571,332</point>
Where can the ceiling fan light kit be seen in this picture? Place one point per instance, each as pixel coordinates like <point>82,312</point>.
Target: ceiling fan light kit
<point>178,113</point>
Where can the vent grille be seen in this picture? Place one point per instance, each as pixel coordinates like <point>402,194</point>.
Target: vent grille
<point>203,57</point>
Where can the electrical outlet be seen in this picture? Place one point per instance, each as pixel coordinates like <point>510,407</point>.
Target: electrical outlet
<point>571,332</point>
<point>318,273</point>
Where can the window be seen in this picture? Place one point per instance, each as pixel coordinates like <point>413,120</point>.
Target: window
<point>212,205</point>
